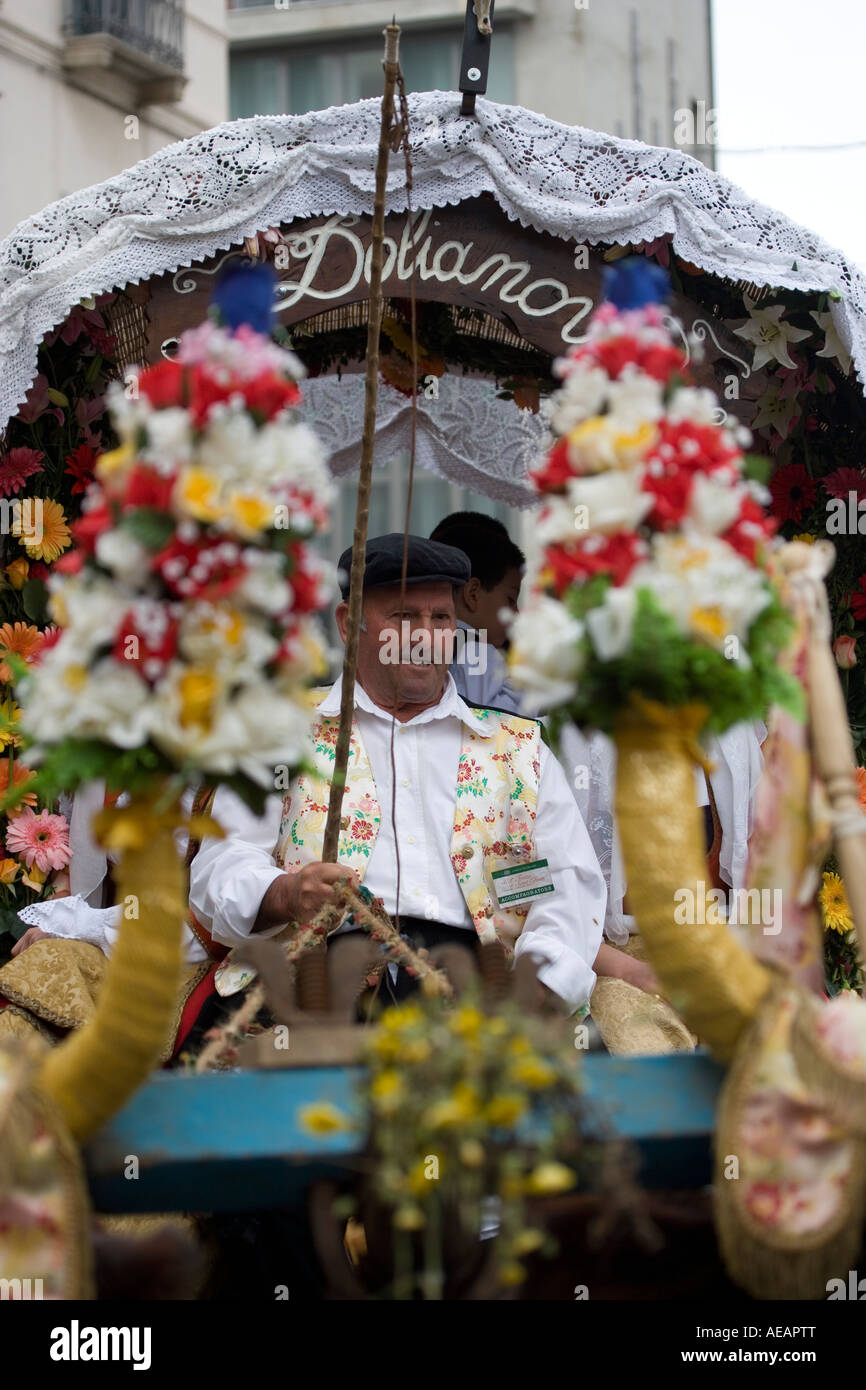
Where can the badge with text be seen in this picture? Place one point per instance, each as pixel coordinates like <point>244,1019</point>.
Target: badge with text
<point>521,883</point>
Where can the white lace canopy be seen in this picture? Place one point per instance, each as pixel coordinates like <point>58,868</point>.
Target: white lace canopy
<point>466,434</point>
<point>196,198</point>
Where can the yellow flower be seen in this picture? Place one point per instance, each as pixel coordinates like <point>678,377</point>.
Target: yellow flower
<point>8,870</point>
<point>548,1178</point>
<point>526,1241</point>
<point>251,512</point>
<point>75,676</point>
<point>421,1179</point>
<point>472,1153</point>
<point>41,528</point>
<point>467,1022</point>
<point>834,905</point>
<point>533,1073</point>
<point>511,1273</point>
<point>496,1027</point>
<point>322,1118</point>
<point>409,1219</point>
<point>504,1110</point>
<point>115,461</point>
<point>10,713</point>
<point>34,877</point>
<point>386,1046</point>
<point>401,1018</point>
<point>416,1050</point>
<point>519,1046</point>
<point>805,537</point>
<point>708,622</point>
<point>198,690</point>
<point>17,572</point>
<point>456,1109</point>
<point>198,493</point>
<point>387,1090</point>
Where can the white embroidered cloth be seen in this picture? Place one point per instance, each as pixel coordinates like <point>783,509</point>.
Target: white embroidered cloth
<point>198,197</point>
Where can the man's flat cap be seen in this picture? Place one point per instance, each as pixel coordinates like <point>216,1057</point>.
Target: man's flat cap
<point>427,561</point>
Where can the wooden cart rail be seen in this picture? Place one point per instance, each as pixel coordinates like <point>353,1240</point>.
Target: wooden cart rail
<point>233,1141</point>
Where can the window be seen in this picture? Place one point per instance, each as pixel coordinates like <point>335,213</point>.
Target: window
<point>291,81</point>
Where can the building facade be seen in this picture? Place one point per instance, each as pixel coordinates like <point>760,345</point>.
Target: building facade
<point>639,69</point>
<point>89,87</point>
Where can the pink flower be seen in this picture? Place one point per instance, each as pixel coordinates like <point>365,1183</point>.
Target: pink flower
<point>42,840</point>
<point>844,650</point>
<point>844,480</point>
<point>16,467</point>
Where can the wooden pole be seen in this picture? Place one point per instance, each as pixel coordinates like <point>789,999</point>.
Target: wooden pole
<point>359,542</point>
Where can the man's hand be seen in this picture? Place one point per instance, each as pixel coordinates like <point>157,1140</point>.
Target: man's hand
<point>299,897</point>
<point>30,937</point>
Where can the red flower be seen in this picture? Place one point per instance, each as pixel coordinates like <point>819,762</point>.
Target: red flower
<point>556,470</point>
<point>147,640</point>
<point>578,561</point>
<point>267,394</point>
<point>305,584</point>
<point>696,448</point>
<point>79,465</point>
<point>192,570</point>
<point>147,488</point>
<point>662,361</point>
<point>51,635</point>
<point>615,353</point>
<point>206,390</point>
<point>671,490</point>
<point>17,466</point>
<point>70,563</point>
<point>750,530</point>
<point>844,480</point>
<point>164,385</point>
<point>793,492</point>
<point>90,526</point>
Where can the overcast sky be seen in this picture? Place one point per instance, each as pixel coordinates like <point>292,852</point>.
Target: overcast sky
<point>793,73</point>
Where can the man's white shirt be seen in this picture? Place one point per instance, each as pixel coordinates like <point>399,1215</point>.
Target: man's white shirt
<point>563,929</point>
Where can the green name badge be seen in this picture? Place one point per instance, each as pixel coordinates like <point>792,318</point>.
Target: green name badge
<point>521,883</point>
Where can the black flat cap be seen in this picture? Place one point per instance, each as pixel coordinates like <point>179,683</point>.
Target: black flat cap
<point>427,561</point>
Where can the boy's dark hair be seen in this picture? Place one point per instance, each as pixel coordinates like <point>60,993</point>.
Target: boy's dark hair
<point>485,540</point>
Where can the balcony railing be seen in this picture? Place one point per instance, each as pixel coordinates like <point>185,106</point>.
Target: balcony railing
<point>152,27</point>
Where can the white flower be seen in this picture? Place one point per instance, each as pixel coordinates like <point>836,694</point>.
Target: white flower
<point>833,345</point>
<point>770,335</point>
<point>226,642</point>
<point>253,730</point>
<point>695,403</point>
<point>65,700</point>
<point>634,400</point>
<point>613,501</point>
<point>169,439</point>
<point>610,624</point>
<point>714,506</point>
<point>263,587</point>
<point>556,523</point>
<point>708,589</point>
<point>121,553</point>
<point>546,652</point>
<point>90,609</point>
<point>582,394</point>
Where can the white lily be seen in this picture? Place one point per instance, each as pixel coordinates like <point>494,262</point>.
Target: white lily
<point>770,334</point>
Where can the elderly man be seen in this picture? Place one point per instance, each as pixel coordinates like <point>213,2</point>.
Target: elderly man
<point>485,840</point>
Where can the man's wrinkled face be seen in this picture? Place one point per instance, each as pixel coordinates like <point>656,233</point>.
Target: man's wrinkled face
<point>407,648</point>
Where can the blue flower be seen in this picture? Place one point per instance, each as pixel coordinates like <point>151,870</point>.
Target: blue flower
<point>245,294</point>
<point>632,283</point>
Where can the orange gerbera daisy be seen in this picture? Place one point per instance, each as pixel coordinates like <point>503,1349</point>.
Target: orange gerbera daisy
<point>21,775</point>
<point>861,786</point>
<point>22,639</point>
<point>41,528</point>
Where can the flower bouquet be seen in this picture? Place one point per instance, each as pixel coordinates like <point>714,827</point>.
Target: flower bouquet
<point>655,615</point>
<point>184,614</point>
<point>655,573</point>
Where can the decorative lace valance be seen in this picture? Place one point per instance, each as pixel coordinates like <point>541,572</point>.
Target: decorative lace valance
<point>196,198</point>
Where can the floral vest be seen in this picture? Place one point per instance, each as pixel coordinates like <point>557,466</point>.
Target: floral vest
<point>494,811</point>
<point>494,817</point>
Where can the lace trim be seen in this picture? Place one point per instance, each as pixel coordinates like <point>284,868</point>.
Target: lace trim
<point>193,199</point>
